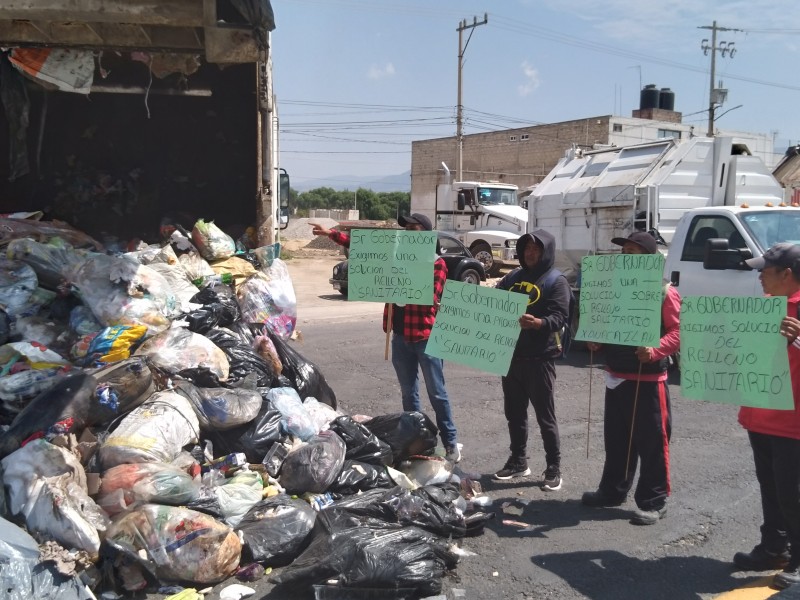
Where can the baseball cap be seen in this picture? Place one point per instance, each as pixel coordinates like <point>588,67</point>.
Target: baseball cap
<point>640,238</point>
<point>417,219</point>
<point>784,254</point>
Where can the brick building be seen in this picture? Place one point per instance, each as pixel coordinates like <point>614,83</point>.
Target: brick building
<point>523,156</point>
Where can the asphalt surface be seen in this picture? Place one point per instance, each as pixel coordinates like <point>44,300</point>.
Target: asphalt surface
<point>564,550</point>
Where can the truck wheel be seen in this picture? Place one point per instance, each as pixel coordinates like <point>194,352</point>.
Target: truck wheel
<point>483,252</point>
<point>470,276</point>
<point>343,291</point>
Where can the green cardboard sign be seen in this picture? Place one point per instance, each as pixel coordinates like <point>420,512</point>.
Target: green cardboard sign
<point>477,326</point>
<point>620,300</point>
<point>391,265</point>
<point>732,351</point>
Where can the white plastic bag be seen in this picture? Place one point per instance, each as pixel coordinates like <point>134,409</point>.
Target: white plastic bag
<point>156,431</point>
<point>47,486</point>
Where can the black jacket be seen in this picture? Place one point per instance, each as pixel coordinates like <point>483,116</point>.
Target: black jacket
<point>553,308</point>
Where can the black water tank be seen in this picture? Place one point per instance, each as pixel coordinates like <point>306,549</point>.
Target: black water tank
<point>648,97</point>
<point>666,99</point>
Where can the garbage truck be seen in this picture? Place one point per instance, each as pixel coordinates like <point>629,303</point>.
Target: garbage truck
<point>485,216</point>
<point>708,201</point>
<point>120,114</point>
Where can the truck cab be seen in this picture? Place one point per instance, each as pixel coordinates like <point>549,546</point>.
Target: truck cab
<point>486,217</point>
<point>707,253</point>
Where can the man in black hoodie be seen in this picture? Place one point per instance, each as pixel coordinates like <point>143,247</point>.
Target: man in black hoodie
<point>532,375</point>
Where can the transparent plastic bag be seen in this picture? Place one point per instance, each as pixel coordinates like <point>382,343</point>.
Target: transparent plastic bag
<point>320,414</point>
<point>268,297</point>
<point>129,485</point>
<point>120,291</point>
<point>238,495</point>
<point>296,419</point>
<point>211,241</point>
<point>220,409</point>
<point>177,543</point>
<point>178,349</point>
<point>17,283</point>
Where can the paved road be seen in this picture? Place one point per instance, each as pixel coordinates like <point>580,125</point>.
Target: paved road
<point>567,551</point>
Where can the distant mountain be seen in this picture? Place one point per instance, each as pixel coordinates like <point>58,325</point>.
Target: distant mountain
<point>388,183</point>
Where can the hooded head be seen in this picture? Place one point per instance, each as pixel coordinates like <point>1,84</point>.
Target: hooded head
<point>546,242</point>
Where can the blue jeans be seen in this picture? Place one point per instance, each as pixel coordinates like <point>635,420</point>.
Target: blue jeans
<point>407,358</point>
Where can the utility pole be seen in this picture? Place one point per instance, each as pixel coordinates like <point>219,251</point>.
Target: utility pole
<point>462,26</point>
<point>724,48</point>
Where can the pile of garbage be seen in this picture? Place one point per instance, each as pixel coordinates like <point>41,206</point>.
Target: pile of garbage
<point>159,428</point>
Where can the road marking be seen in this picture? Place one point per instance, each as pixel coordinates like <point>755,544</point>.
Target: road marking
<point>755,590</point>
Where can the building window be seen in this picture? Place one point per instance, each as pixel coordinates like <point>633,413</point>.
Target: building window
<point>524,137</point>
<point>617,127</point>
<point>512,138</point>
<point>666,133</point>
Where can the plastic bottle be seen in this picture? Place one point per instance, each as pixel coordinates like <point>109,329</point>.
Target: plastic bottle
<point>207,280</point>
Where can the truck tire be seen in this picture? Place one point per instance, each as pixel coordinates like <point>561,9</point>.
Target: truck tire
<point>470,276</point>
<point>483,252</point>
<point>343,291</point>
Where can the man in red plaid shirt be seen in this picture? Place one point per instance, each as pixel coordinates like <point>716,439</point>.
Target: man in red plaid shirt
<point>411,326</point>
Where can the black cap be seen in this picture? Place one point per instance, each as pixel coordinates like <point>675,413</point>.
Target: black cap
<point>418,219</point>
<point>784,254</point>
<point>640,238</point>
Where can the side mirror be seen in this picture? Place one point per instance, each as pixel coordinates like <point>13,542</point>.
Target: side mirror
<point>461,201</point>
<point>284,197</point>
<point>718,256</point>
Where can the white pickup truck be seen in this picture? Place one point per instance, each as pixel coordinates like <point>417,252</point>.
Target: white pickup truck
<point>710,244</point>
<point>684,192</point>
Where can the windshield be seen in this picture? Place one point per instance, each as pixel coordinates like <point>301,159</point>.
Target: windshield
<point>488,195</point>
<point>769,228</point>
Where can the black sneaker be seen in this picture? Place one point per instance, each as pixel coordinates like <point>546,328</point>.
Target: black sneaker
<point>551,479</point>
<point>513,468</point>
<point>760,559</point>
<point>599,499</point>
<point>789,576</point>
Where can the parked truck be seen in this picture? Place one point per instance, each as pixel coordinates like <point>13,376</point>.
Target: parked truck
<point>122,113</point>
<point>485,215</point>
<point>685,193</point>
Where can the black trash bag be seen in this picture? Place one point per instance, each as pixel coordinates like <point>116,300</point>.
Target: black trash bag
<point>220,308</point>
<point>432,508</point>
<point>254,439</point>
<point>359,477</point>
<point>362,444</point>
<point>201,377</point>
<point>315,465</point>
<point>207,502</point>
<point>243,360</point>
<point>407,433</point>
<point>94,397</point>
<point>368,553</point>
<point>303,375</point>
<point>276,530</point>
<point>219,409</point>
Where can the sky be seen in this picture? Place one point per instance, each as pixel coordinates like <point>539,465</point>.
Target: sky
<point>358,80</point>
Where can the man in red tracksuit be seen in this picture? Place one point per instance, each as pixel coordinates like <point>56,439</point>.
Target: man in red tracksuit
<point>775,435</point>
<point>643,371</point>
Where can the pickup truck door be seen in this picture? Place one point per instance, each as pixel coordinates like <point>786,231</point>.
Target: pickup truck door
<point>685,262</point>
